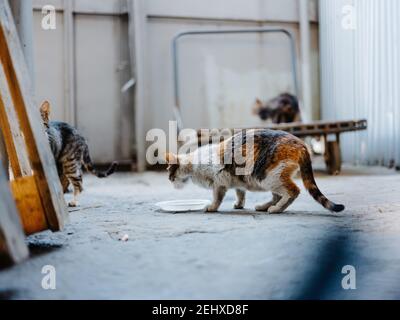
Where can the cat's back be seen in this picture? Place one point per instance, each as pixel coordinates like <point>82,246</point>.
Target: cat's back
<point>66,131</point>
<point>63,138</point>
<point>264,149</point>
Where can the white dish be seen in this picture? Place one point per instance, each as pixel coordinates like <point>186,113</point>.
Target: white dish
<point>183,205</point>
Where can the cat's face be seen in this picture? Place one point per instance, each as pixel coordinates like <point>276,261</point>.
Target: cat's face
<point>178,172</point>
<point>45,113</point>
<point>264,111</point>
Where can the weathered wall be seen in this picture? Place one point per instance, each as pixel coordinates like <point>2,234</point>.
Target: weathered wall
<point>217,72</point>
<point>223,73</point>
<point>81,67</point>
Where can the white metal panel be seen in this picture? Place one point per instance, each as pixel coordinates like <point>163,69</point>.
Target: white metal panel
<point>266,10</point>
<point>361,76</point>
<point>225,72</point>
<point>91,57</point>
<point>86,6</point>
<point>49,65</point>
<point>99,63</point>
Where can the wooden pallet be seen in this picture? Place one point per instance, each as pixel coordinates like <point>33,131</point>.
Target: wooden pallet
<point>12,239</point>
<point>333,157</point>
<point>35,184</point>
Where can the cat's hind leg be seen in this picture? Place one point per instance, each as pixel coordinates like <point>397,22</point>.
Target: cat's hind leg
<point>64,183</point>
<point>77,184</point>
<point>73,173</point>
<point>241,199</point>
<point>288,190</point>
<point>264,207</point>
<point>282,204</point>
<point>63,178</point>
<point>218,195</point>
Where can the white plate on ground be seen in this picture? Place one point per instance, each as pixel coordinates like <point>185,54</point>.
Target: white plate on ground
<point>183,205</point>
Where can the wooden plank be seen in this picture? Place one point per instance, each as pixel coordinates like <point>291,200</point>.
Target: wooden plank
<point>13,248</point>
<point>29,205</point>
<point>41,158</point>
<point>13,137</point>
<point>3,155</point>
<point>316,128</point>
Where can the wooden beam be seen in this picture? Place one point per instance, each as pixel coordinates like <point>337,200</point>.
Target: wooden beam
<point>41,158</point>
<point>27,199</point>
<point>13,248</point>
<point>23,17</point>
<point>3,155</point>
<point>13,138</point>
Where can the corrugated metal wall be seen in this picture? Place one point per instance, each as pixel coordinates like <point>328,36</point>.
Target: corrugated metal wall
<point>360,75</point>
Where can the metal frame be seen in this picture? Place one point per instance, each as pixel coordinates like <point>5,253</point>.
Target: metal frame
<point>175,56</point>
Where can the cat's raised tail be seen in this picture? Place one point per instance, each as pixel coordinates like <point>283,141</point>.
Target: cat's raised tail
<point>309,182</point>
<point>90,167</point>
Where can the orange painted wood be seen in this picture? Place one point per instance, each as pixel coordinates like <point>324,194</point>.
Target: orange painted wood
<point>41,160</point>
<point>13,248</point>
<point>27,199</point>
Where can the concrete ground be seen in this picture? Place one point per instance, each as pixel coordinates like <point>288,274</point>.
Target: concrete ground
<point>228,255</point>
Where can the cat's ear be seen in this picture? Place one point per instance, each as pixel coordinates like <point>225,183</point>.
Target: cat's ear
<point>257,106</point>
<point>171,158</point>
<point>45,110</point>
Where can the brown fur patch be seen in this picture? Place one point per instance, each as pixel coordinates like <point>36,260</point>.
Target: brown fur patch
<point>45,110</point>
<point>170,158</point>
<point>289,149</point>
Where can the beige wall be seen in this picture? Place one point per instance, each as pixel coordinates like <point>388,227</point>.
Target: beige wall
<point>217,73</point>
<point>221,72</point>
<point>220,76</point>
<point>81,68</point>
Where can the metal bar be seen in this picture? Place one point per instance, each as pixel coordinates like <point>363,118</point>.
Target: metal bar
<point>305,45</point>
<point>137,44</point>
<point>175,56</point>
<point>70,114</point>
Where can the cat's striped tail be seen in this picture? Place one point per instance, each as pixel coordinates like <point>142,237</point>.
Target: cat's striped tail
<point>309,182</point>
<point>90,167</point>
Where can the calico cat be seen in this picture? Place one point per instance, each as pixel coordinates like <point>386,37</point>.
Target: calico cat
<point>275,158</point>
<point>282,109</point>
<point>70,152</point>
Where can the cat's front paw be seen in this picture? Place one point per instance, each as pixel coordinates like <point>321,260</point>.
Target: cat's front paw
<point>275,210</point>
<point>262,208</point>
<point>211,209</point>
<point>73,204</point>
<point>238,206</point>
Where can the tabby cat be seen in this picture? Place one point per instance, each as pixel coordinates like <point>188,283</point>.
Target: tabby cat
<point>282,109</point>
<point>275,158</point>
<point>70,152</point>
